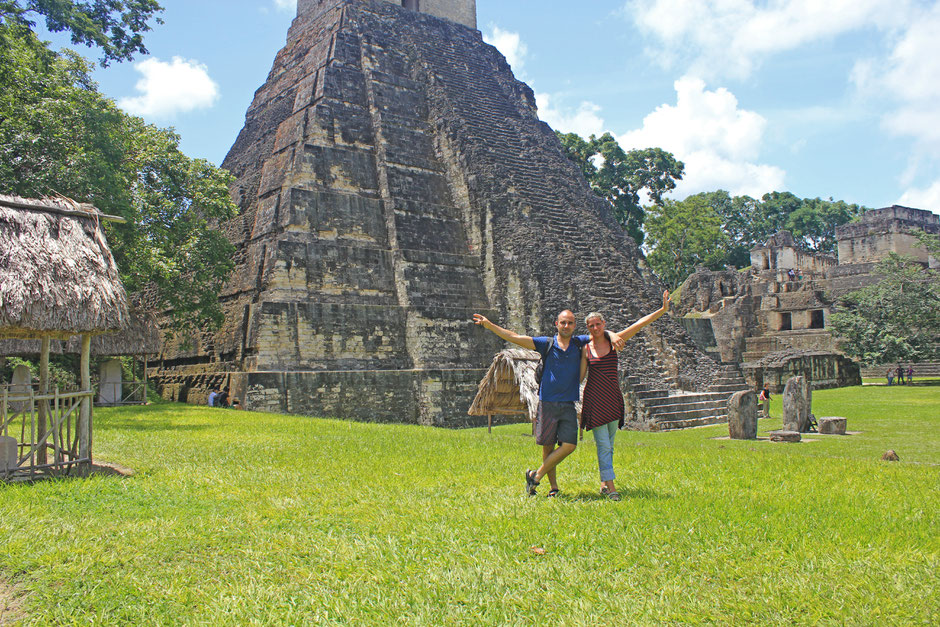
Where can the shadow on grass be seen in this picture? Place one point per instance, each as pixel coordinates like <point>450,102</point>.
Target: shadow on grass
<point>151,425</point>
<point>626,494</point>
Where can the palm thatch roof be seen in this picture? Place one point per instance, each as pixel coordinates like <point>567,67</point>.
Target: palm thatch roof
<point>57,275</point>
<point>509,386</point>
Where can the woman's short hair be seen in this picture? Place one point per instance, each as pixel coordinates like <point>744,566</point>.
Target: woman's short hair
<point>594,314</point>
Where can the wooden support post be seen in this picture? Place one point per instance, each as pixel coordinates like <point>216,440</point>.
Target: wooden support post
<point>84,416</point>
<point>489,423</point>
<point>43,404</point>
<point>145,380</point>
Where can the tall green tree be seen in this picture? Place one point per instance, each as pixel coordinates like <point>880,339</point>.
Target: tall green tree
<point>682,236</point>
<point>896,319</point>
<point>116,27</point>
<point>620,177</point>
<point>60,135</point>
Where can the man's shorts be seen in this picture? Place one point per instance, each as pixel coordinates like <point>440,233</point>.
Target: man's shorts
<point>556,423</point>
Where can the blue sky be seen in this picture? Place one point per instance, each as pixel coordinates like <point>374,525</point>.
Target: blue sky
<point>821,98</point>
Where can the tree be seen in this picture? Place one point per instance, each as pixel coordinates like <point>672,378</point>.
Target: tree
<point>814,222</point>
<point>59,135</point>
<point>619,177</point>
<point>114,26</point>
<point>896,319</point>
<point>683,235</point>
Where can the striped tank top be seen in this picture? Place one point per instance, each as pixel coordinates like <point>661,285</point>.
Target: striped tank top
<point>603,400</point>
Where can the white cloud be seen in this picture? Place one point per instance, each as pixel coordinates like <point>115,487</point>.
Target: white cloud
<point>732,37</point>
<point>170,88</point>
<point>922,198</point>
<point>909,79</point>
<point>510,45</point>
<point>285,5</point>
<point>716,140</point>
<point>585,120</point>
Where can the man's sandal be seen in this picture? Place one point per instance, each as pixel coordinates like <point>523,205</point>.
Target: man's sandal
<point>613,496</point>
<point>554,492</point>
<point>530,482</point>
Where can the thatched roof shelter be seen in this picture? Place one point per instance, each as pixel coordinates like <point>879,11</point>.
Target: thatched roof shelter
<point>509,386</point>
<point>140,337</point>
<point>57,275</point>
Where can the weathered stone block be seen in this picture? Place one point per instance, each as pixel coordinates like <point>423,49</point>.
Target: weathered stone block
<point>834,425</point>
<point>784,435</point>
<point>797,399</point>
<point>742,415</point>
<point>7,453</point>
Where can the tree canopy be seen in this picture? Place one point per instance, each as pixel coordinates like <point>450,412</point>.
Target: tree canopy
<point>896,319</point>
<point>60,135</point>
<point>116,27</point>
<point>620,177</point>
<point>682,235</point>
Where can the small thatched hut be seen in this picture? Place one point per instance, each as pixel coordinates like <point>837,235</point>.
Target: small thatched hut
<point>509,387</point>
<point>57,279</point>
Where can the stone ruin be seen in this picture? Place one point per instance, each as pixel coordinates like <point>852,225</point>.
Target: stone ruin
<point>773,318</point>
<point>393,178</point>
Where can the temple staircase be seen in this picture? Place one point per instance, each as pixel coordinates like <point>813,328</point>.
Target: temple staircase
<point>663,408</point>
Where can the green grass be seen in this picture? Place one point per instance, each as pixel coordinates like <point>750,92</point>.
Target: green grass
<point>238,517</point>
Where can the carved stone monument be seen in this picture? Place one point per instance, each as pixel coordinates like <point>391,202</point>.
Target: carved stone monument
<point>797,401</point>
<point>742,415</point>
<point>394,178</point>
<point>109,382</point>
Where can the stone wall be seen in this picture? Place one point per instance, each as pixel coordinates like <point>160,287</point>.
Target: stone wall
<point>883,231</point>
<point>821,369</point>
<point>460,11</point>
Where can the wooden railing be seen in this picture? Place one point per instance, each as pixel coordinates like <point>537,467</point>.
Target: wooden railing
<point>43,426</point>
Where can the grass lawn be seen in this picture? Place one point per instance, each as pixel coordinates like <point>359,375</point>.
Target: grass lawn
<point>239,517</point>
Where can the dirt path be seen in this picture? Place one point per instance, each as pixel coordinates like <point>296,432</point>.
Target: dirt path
<point>10,604</point>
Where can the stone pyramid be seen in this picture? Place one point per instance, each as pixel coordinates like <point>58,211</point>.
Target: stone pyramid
<point>393,178</point>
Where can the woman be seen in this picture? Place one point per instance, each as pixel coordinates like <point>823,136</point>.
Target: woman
<point>602,403</point>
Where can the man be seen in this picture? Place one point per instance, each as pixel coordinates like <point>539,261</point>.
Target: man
<point>213,394</point>
<point>558,392</point>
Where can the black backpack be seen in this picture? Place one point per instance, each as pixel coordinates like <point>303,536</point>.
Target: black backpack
<point>540,369</point>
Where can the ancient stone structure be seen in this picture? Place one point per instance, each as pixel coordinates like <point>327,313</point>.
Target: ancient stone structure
<point>742,415</point>
<point>833,425</point>
<point>823,369</point>
<point>888,230</point>
<point>797,405</point>
<point>774,317</point>
<point>393,178</point>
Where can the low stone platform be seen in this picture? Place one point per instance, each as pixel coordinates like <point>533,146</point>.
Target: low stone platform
<point>784,436</point>
<point>833,425</point>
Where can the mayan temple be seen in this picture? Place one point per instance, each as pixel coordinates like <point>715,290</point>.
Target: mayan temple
<point>393,178</point>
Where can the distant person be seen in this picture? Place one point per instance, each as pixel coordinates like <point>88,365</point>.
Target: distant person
<point>602,406</point>
<point>910,374</point>
<point>764,398</point>
<point>213,395</point>
<point>791,274</point>
<point>557,419</point>
<point>222,399</point>
<point>890,376</point>
<point>900,373</point>
<point>236,404</point>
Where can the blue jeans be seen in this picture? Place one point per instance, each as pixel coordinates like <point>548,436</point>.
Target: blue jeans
<point>604,440</point>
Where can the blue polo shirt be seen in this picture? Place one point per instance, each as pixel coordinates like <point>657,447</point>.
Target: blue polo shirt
<point>561,378</point>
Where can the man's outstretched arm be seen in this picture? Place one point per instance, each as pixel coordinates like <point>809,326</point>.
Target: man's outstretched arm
<point>524,341</point>
<point>634,328</point>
